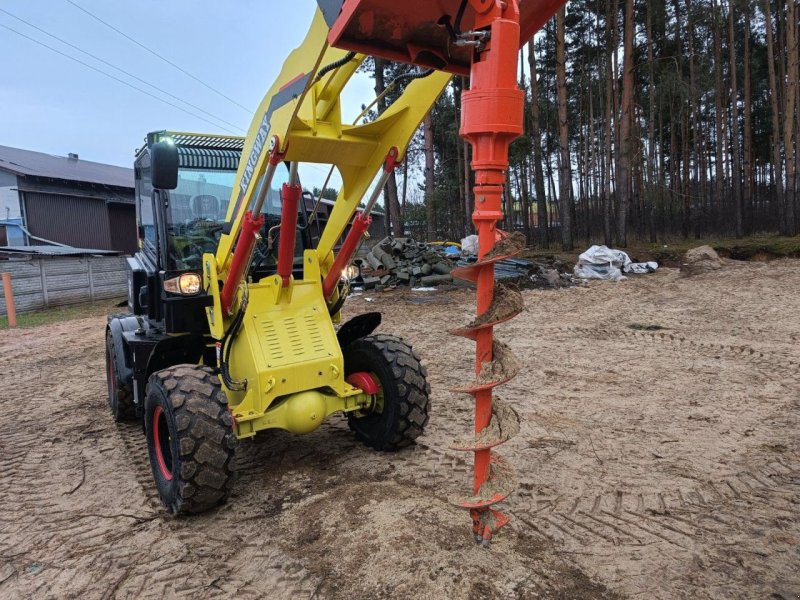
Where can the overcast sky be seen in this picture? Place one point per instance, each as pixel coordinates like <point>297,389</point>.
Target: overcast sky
<point>52,104</point>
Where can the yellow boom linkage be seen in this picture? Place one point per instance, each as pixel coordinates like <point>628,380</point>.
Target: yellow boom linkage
<point>285,355</point>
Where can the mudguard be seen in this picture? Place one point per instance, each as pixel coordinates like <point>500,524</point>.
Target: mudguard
<point>117,325</point>
<point>357,328</point>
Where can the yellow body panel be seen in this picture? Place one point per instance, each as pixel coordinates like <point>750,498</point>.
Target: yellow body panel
<point>287,349</point>
<point>288,346</point>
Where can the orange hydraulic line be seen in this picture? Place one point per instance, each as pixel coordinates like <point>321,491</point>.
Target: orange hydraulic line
<point>11,310</point>
<point>491,119</point>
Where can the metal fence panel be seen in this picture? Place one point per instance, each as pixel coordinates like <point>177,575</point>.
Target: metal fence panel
<point>48,282</point>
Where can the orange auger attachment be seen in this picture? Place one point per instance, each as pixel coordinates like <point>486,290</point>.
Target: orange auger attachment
<point>491,119</point>
<point>481,37</point>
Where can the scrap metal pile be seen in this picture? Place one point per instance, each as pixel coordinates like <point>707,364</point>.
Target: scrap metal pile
<point>394,262</point>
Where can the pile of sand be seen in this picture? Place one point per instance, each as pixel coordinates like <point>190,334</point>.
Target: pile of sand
<point>511,244</point>
<point>700,260</point>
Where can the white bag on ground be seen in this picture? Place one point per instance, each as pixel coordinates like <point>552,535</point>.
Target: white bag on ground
<point>469,245</point>
<point>602,262</point>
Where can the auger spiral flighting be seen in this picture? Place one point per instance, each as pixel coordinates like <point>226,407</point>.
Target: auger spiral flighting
<point>491,120</point>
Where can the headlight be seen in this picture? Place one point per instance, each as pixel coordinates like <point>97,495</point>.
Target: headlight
<point>351,272</point>
<point>187,284</point>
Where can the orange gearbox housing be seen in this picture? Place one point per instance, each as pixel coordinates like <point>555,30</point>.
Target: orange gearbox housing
<point>412,31</point>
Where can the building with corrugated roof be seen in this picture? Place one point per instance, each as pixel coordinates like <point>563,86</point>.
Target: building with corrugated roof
<point>46,199</point>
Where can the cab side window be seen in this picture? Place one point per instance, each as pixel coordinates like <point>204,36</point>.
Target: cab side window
<point>144,205</point>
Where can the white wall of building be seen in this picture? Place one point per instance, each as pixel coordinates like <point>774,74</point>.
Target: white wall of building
<point>9,198</point>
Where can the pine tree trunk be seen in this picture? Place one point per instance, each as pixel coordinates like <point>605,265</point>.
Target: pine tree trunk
<point>564,173</point>
<point>697,129</point>
<point>748,118</point>
<point>427,126</point>
<point>651,141</point>
<point>789,118</point>
<point>736,179</point>
<point>536,142</point>
<point>626,142</point>
<point>610,113</point>
<point>719,175</point>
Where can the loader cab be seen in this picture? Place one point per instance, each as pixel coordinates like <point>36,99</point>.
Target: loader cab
<point>182,217</point>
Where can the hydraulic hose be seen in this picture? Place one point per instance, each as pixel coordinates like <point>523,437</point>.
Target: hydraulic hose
<point>334,65</point>
<point>227,343</point>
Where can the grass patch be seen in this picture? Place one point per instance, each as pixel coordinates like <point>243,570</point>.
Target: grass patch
<point>669,253</point>
<point>757,247</point>
<point>64,313</point>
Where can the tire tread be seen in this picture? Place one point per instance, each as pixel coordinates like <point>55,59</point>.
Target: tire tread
<point>205,437</point>
<point>413,388</point>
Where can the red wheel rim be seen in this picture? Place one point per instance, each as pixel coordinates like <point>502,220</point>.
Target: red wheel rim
<point>367,382</point>
<point>161,443</point>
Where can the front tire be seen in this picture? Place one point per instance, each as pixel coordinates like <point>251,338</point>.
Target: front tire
<point>190,438</point>
<point>400,413</point>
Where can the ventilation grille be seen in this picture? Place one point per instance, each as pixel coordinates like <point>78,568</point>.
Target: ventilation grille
<point>272,344</point>
<point>302,335</point>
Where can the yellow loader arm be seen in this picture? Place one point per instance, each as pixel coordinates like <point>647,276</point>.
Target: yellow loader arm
<point>280,361</point>
<point>303,111</point>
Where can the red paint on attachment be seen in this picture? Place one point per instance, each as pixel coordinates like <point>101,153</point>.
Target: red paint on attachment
<point>158,414</point>
<point>364,381</point>
<point>413,31</point>
<point>293,81</point>
<point>290,195</point>
<point>346,252</point>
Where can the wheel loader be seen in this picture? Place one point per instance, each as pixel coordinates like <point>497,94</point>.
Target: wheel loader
<point>235,303</point>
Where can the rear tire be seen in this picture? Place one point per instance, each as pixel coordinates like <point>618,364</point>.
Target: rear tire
<point>404,392</point>
<point>120,394</point>
<point>190,438</point>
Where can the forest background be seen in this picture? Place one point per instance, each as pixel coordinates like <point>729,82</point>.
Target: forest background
<point>645,120</point>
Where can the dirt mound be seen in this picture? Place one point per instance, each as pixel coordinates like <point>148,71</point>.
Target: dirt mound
<point>385,540</point>
<point>700,260</point>
<point>511,244</point>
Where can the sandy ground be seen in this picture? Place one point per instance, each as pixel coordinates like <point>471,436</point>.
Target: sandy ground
<point>652,463</point>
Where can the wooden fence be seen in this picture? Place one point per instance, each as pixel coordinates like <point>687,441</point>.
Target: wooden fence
<point>48,282</point>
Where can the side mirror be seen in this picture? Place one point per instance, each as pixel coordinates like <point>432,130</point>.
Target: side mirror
<point>164,165</point>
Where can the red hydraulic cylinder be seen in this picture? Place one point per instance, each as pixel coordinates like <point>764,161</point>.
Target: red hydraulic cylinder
<point>241,258</point>
<point>290,195</point>
<point>357,230</point>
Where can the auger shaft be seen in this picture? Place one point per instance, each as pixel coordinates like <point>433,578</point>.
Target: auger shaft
<point>492,113</point>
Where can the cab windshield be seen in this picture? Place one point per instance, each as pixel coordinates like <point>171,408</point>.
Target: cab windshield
<point>197,212</point>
